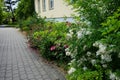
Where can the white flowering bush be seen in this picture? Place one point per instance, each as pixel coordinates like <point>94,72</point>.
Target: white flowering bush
<point>95,53</point>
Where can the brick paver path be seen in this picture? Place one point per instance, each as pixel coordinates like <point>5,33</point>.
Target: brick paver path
<point>18,62</point>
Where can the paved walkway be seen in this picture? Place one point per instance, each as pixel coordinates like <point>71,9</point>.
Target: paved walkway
<point>18,62</point>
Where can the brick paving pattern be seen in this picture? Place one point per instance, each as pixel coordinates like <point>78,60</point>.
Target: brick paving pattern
<point>18,62</point>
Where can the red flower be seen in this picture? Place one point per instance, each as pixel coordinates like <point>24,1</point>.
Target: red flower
<point>52,48</point>
<point>65,46</point>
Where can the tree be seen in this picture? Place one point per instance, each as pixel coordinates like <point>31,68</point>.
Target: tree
<point>25,9</point>
<point>1,12</point>
<point>95,11</point>
<point>9,4</point>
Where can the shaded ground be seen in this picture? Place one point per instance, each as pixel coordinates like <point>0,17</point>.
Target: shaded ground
<point>19,62</point>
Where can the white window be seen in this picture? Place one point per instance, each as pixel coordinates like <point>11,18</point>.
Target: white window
<point>39,8</point>
<point>44,5</point>
<point>51,4</point>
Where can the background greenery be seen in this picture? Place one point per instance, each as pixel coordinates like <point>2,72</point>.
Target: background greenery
<point>25,9</point>
<point>89,46</point>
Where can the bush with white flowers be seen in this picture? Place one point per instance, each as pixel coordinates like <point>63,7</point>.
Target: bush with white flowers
<point>95,53</point>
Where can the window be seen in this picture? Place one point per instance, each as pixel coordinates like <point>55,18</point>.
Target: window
<point>44,5</point>
<point>38,6</point>
<point>51,4</point>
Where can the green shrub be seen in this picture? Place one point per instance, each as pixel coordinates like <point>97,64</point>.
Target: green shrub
<point>28,25</point>
<point>51,41</point>
<point>85,75</point>
<point>95,52</point>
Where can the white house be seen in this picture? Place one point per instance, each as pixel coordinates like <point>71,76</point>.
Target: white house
<point>54,9</point>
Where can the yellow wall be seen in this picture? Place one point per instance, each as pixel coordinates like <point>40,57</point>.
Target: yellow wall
<point>61,9</point>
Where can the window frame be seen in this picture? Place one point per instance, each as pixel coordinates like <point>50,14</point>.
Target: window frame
<point>39,7</point>
<point>51,4</point>
<point>43,5</point>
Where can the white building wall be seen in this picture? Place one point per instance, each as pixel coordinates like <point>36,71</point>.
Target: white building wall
<point>36,6</point>
<point>61,9</point>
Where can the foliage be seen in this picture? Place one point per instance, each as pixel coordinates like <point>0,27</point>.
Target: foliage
<point>48,37</point>
<point>85,75</point>
<point>95,52</point>
<point>25,9</point>
<point>31,23</point>
<point>94,12</point>
<point>10,9</point>
<point>94,46</point>
<point>1,14</point>
<point>1,11</point>
<point>6,17</point>
<point>111,30</point>
<point>51,41</point>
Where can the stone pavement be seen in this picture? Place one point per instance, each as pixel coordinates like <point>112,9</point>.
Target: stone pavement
<point>19,62</point>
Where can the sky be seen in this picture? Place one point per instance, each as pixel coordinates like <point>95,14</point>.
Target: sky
<point>13,6</point>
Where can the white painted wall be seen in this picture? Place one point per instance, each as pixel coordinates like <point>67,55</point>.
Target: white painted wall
<point>61,9</point>
<point>36,5</point>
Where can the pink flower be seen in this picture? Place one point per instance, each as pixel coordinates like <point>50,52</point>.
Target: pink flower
<point>52,48</point>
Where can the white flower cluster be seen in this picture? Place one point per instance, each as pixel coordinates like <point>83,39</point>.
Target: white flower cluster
<point>69,35</point>
<point>93,61</point>
<point>102,48</point>
<point>81,62</point>
<point>89,54</point>
<point>83,58</point>
<point>84,68</point>
<point>85,47</point>
<point>113,76</point>
<point>71,70</point>
<point>68,53</point>
<point>72,62</point>
<point>106,57</point>
<point>104,65</point>
<point>103,52</point>
<point>83,32</point>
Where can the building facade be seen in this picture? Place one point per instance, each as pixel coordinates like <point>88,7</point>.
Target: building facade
<point>54,9</point>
